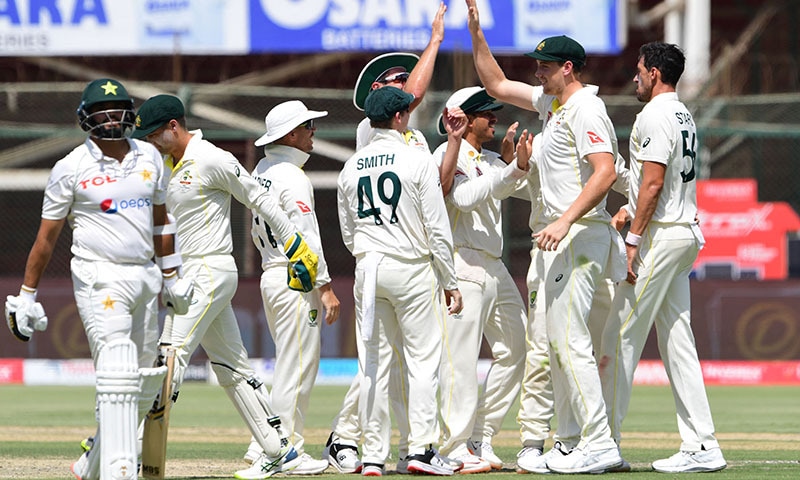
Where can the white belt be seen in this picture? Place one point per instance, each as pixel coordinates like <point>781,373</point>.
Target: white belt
<point>369,263</point>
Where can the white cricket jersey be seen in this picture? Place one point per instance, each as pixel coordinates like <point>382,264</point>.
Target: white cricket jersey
<point>482,180</point>
<point>570,132</point>
<point>281,174</point>
<point>109,204</point>
<point>199,196</point>
<point>664,132</point>
<point>413,137</point>
<point>390,201</point>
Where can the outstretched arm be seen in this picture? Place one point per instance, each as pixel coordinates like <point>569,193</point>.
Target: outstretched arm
<point>420,76</point>
<point>490,73</point>
<point>455,122</point>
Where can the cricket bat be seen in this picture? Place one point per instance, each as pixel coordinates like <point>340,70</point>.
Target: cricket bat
<point>156,425</point>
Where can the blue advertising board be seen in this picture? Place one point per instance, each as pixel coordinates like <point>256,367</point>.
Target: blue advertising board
<point>510,26</point>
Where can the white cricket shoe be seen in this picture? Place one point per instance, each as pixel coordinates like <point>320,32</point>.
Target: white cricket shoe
<point>254,451</point>
<point>79,467</point>
<point>472,463</point>
<point>372,470</point>
<point>309,466</point>
<point>486,452</point>
<point>430,463</point>
<point>343,457</point>
<point>689,462</point>
<point>585,460</point>
<point>532,460</point>
<point>265,467</point>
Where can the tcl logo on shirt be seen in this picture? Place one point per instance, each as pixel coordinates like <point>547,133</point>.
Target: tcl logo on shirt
<point>303,207</point>
<point>594,138</point>
<point>96,181</point>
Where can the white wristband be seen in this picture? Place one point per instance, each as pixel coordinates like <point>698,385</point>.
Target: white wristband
<point>28,293</point>
<point>633,239</point>
<point>166,229</point>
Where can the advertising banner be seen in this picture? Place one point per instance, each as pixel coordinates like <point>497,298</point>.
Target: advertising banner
<point>510,26</point>
<point>129,27</point>
<point>240,27</point>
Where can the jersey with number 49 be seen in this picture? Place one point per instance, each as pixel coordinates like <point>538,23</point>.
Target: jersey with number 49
<point>390,201</point>
<point>664,132</point>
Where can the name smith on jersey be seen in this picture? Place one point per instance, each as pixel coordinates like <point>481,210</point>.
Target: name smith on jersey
<point>375,161</point>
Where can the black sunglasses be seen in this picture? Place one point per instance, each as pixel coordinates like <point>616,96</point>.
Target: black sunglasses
<point>309,125</point>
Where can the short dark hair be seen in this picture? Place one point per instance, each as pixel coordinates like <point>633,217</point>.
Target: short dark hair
<point>666,57</point>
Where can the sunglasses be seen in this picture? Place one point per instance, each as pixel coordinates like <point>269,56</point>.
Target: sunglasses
<point>309,125</point>
<point>397,77</point>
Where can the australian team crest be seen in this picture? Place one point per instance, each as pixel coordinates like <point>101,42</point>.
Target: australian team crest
<point>312,318</point>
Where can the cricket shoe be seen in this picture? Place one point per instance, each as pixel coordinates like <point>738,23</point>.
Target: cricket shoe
<point>309,466</point>
<point>402,466</point>
<point>430,463</point>
<point>486,452</point>
<point>533,460</point>
<point>472,463</point>
<point>585,460</point>
<point>265,467</point>
<point>254,451</point>
<point>343,457</point>
<point>690,462</point>
<point>79,467</point>
<point>372,470</point>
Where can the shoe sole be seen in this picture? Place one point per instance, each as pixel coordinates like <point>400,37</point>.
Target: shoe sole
<point>477,469</point>
<point>694,469</point>
<point>426,469</point>
<point>600,468</point>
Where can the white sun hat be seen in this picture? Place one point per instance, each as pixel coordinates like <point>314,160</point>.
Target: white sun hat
<point>284,117</point>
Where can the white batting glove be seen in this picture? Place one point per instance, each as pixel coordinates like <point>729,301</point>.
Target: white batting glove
<point>177,293</point>
<point>24,314</point>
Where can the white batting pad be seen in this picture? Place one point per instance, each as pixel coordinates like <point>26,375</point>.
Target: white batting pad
<point>253,407</point>
<point>117,403</point>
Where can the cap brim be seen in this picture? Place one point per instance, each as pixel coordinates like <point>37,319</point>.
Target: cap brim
<point>139,133</point>
<point>375,67</point>
<point>268,137</point>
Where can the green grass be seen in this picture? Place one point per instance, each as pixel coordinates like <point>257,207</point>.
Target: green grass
<point>758,428</point>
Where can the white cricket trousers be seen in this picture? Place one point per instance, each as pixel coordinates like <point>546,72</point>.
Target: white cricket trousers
<point>294,322</point>
<point>408,307</point>
<point>493,308</point>
<point>118,301</point>
<point>660,295</point>
<point>536,396</point>
<point>573,274</point>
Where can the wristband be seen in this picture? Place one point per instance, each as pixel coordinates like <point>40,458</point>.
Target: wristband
<point>169,261</point>
<point>633,239</point>
<point>170,278</point>
<point>28,293</point>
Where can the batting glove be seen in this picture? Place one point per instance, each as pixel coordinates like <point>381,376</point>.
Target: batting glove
<point>177,293</point>
<point>302,264</point>
<point>24,314</point>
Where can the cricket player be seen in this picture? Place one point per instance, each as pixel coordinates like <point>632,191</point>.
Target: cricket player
<point>662,245</point>
<point>393,220</point>
<point>293,317</point>
<point>412,74</point>
<point>475,180</point>
<point>576,170</point>
<point>203,179</point>
<point>113,189</point>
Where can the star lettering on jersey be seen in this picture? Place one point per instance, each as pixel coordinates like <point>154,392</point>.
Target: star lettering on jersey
<point>108,304</point>
<point>147,175</point>
<point>303,207</point>
<point>594,138</point>
<point>109,88</point>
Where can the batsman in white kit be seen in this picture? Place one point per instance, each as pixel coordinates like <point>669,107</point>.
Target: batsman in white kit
<point>202,182</point>
<point>113,190</point>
